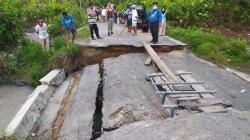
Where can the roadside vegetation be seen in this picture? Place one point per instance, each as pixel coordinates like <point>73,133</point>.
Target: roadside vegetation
<point>22,60</point>
<point>214,47</point>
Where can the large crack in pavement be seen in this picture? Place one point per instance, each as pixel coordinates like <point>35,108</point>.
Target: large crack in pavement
<point>97,117</point>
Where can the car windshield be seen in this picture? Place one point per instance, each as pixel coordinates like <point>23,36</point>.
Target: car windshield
<point>139,6</point>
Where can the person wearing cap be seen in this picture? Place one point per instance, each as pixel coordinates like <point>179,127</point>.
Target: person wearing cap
<point>155,19</point>
<point>67,22</point>
<point>42,30</point>
<point>110,16</point>
<point>134,19</point>
<point>92,21</point>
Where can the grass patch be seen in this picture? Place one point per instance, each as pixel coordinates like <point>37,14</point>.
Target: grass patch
<point>214,47</point>
<point>83,32</point>
<point>34,63</point>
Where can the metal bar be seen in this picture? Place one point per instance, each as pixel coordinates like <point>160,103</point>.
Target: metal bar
<point>181,92</point>
<point>161,74</point>
<point>179,83</point>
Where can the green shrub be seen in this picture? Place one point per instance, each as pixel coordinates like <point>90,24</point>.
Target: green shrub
<point>36,72</point>
<point>11,29</point>
<point>58,43</point>
<point>35,60</point>
<point>214,47</point>
<point>210,51</point>
<point>195,36</point>
<point>235,48</point>
<point>32,53</point>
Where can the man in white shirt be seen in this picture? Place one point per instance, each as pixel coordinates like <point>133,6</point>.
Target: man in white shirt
<point>42,30</point>
<point>104,14</point>
<point>134,19</point>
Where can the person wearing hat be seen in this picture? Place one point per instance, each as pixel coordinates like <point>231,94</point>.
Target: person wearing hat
<point>42,30</point>
<point>134,19</point>
<point>155,19</point>
<point>92,21</point>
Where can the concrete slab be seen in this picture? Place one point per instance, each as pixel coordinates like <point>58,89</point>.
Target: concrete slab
<point>122,37</point>
<point>43,128</point>
<point>78,121</point>
<point>53,78</point>
<point>30,111</point>
<point>11,100</point>
<point>229,126</point>
<point>228,85</point>
<point>128,97</point>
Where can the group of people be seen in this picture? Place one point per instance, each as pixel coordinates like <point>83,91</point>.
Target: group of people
<point>132,18</point>
<point>107,14</point>
<point>156,19</point>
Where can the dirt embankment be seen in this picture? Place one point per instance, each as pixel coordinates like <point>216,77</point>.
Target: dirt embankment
<point>87,56</point>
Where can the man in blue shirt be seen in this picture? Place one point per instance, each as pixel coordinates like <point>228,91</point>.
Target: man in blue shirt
<point>67,22</point>
<point>155,19</point>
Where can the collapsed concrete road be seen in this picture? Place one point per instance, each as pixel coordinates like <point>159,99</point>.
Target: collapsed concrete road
<point>109,98</point>
<point>226,126</point>
<point>113,100</point>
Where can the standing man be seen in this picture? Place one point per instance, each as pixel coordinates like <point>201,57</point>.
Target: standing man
<point>134,19</point>
<point>110,16</point>
<point>155,19</point>
<point>67,22</point>
<point>92,21</point>
<point>42,30</point>
<point>128,14</point>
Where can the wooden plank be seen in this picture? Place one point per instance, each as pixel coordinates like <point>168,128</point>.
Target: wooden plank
<point>189,78</point>
<point>209,102</point>
<point>148,61</point>
<point>161,74</point>
<point>184,95</point>
<point>165,101</point>
<point>179,83</point>
<point>183,73</point>
<point>161,65</point>
<point>169,106</point>
<point>183,92</point>
<point>188,98</point>
<point>159,80</point>
<point>213,109</point>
